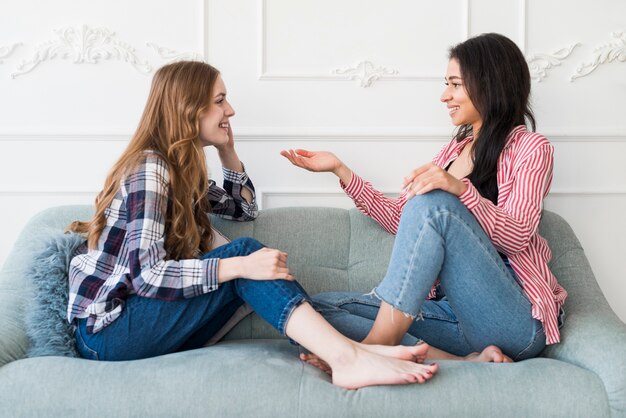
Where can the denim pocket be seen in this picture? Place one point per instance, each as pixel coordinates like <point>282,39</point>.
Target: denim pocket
<point>83,349</point>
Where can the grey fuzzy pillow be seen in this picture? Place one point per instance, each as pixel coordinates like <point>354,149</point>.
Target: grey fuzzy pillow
<point>46,325</point>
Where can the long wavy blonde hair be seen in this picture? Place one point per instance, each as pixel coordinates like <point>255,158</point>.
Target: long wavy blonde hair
<point>170,126</point>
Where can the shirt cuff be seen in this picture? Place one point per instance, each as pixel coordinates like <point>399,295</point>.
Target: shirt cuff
<point>235,176</point>
<point>212,281</point>
<point>354,187</point>
<point>470,197</point>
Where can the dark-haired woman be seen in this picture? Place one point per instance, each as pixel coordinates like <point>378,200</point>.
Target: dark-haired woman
<point>469,271</point>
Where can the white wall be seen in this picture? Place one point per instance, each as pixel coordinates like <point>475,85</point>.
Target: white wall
<point>73,87</point>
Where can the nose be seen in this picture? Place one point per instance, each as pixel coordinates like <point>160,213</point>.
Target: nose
<point>230,112</point>
<point>445,96</point>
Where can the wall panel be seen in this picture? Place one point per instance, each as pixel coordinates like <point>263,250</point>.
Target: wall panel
<point>359,78</point>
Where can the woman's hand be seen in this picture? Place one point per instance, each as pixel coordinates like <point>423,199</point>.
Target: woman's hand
<point>264,264</point>
<point>315,161</point>
<point>318,161</point>
<point>228,146</point>
<point>430,177</point>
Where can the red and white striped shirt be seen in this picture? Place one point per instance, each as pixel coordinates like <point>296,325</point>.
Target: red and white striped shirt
<point>524,178</point>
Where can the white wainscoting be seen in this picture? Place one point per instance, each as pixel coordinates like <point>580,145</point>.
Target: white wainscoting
<point>361,78</point>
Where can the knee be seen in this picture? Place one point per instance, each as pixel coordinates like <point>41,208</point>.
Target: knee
<point>436,200</point>
<point>246,245</point>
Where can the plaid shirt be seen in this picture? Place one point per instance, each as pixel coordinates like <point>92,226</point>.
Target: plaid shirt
<point>130,257</point>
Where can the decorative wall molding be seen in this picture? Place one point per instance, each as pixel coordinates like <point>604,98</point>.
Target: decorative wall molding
<point>84,45</point>
<point>263,195</point>
<point>35,191</point>
<point>173,55</point>
<point>539,63</point>
<point>365,71</point>
<point>604,54</point>
<point>5,51</point>
<point>350,134</point>
<point>332,76</point>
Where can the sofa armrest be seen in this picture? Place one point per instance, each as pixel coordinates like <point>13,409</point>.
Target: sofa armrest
<point>593,337</point>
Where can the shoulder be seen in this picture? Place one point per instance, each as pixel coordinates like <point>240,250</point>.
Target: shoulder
<point>524,143</point>
<point>150,163</point>
<point>149,172</point>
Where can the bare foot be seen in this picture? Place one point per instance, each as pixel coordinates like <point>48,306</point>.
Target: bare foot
<point>416,353</point>
<point>361,368</point>
<point>315,361</point>
<point>491,354</point>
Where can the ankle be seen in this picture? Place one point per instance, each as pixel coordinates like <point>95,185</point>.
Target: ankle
<point>380,340</point>
<point>344,355</point>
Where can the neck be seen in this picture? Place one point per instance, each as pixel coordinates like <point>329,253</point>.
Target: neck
<point>476,128</point>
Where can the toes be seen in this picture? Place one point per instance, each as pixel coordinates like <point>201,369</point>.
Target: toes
<point>411,378</point>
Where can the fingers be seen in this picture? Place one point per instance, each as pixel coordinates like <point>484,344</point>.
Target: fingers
<point>304,152</point>
<point>294,158</point>
<point>415,173</point>
<point>431,177</point>
<point>275,262</point>
<point>424,184</point>
<point>230,133</point>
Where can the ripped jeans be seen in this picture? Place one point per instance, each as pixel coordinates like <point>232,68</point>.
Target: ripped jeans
<point>479,300</point>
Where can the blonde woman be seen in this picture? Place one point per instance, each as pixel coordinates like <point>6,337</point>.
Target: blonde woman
<point>148,281</point>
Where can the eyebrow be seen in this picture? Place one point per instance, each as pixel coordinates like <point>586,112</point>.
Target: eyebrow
<point>452,77</point>
<point>219,94</point>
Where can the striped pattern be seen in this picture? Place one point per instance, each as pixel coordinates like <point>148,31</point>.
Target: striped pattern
<point>130,257</point>
<point>524,177</point>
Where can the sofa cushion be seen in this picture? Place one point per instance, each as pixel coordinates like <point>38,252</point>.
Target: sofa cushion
<point>265,378</point>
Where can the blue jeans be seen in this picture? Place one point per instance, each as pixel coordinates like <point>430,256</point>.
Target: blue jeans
<point>152,327</point>
<point>480,301</point>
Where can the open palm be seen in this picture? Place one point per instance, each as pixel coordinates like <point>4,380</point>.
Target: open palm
<point>316,161</point>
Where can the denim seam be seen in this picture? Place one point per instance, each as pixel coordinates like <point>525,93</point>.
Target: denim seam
<point>288,311</point>
<point>351,300</point>
<point>78,335</point>
<point>532,342</point>
<point>394,307</point>
<point>503,269</point>
<point>411,262</point>
<point>418,241</point>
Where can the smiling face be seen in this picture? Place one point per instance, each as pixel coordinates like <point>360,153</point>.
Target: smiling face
<point>214,122</point>
<point>460,107</point>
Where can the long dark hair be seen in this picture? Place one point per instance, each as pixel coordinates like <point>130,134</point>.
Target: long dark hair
<point>497,79</point>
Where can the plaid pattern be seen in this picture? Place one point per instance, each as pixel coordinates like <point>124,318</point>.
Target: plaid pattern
<point>130,256</point>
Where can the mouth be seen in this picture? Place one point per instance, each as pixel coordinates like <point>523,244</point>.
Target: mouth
<point>452,110</point>
<point>224,125</point>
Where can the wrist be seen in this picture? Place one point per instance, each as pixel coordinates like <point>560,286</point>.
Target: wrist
<point>461,189</point>
<point>344,173</point>
<point>229,269</point>
<point>226,151</point>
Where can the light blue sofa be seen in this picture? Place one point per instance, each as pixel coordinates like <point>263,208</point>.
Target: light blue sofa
<point>255,373</point>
